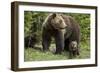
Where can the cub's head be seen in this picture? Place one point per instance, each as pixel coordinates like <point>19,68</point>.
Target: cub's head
<point>57,21</point>
<point>73,47</point>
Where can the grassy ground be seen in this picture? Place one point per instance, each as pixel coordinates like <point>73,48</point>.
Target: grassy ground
<point>35,54</point>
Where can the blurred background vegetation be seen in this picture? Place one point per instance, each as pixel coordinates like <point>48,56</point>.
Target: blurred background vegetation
<point>34,20</point>
<point>33,24</point>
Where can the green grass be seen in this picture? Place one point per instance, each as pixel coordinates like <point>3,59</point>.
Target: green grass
<point>35,54</point>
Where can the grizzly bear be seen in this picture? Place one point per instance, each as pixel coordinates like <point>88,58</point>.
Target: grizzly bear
<point>63,29</point>
<point>73,49</point>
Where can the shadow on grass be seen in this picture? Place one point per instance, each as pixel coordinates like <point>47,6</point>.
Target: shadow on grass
<point>38,48</point>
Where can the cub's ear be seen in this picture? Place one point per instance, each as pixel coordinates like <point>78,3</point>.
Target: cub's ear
<point>54,15</point>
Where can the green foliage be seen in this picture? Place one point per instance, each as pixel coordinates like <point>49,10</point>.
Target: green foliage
<point>27,22</point>
<point>33,23</point>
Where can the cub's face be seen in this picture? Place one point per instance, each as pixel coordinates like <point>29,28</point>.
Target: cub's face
<point>58,22</point>
<point>74,48</point>
<point>74,45</point>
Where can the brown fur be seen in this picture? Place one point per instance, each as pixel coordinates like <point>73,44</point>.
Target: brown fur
<point>73,49</point>
<point>63,28</point>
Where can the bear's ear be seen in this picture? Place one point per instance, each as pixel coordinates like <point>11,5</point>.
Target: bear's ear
<point>54,15</point>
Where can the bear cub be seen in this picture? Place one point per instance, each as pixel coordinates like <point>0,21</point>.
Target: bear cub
<point>73,49</point>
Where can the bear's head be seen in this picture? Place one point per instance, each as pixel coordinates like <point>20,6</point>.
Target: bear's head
<point>57,21</point>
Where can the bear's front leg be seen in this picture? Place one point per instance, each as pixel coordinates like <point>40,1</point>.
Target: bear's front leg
<point>46,40</point>
<point>59,38</point>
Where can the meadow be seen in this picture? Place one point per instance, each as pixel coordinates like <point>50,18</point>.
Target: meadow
<point>36,53</point>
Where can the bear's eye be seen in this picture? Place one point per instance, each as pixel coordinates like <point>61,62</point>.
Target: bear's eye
<point>60,21</point>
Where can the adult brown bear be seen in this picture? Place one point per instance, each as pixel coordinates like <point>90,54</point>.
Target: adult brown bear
<point>63,28</point>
